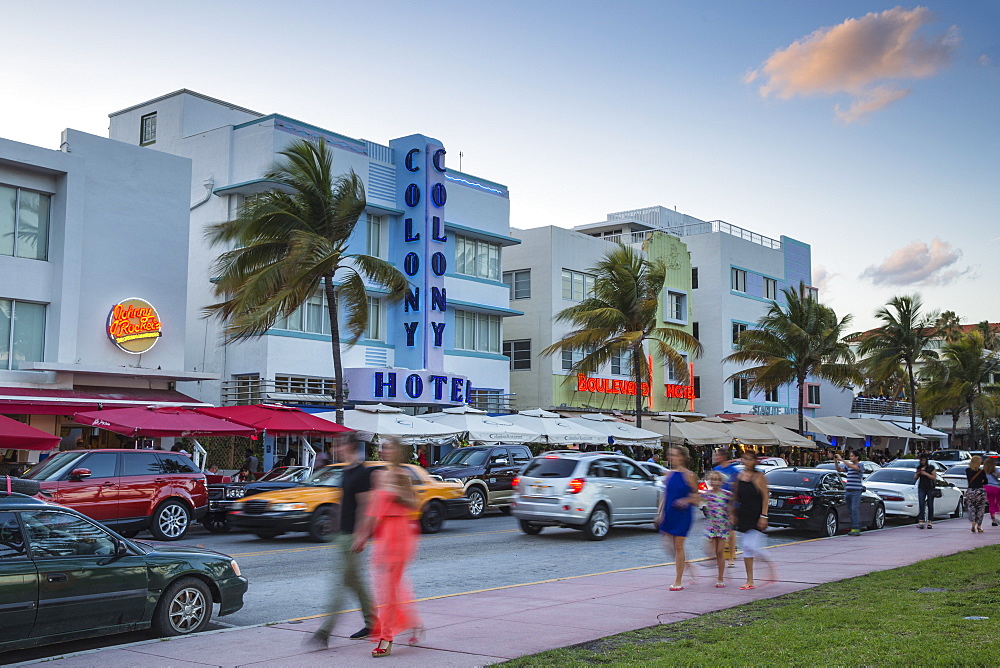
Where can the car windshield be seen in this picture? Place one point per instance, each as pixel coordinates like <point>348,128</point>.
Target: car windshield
<point>826,465</point>
<point>274,474</point>
<point>952,455</point>
<point>893,475</point>
<point>54,465</point>
<point>464,457</point>
<point>550,467</point>
<point>957,470</point>
<point>328,476</point>
<point>792,478</point>
<point>903,464</point>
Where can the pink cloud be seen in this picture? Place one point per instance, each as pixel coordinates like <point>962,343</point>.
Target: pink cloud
<point>918,263</point>
<point>821,278</point>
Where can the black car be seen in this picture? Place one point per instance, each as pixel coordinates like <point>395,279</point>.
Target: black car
<point>222,495</point>
<point>815,500</point>
<point>486,471</point>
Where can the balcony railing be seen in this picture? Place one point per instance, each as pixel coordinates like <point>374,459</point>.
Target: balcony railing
<point>873,406</point>
<point>693,229</point>
<point>243,391</point>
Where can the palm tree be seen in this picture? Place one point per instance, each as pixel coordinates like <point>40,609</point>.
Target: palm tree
<point>802,339</point>
<point>902,340</point>
<point>287,242</point>
<point>949,326</point>
<point>620,317</point>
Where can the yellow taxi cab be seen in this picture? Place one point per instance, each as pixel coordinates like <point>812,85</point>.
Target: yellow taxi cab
<point>311,508</point>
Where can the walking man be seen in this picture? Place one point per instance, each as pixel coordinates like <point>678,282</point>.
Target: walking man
<point>355,486</point>
<point>854,486</point>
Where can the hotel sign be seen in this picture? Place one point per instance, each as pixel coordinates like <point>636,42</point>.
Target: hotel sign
<point>134,326</point>
<point>609,386</point>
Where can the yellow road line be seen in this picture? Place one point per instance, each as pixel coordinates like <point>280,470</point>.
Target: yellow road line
<point>308,548</point>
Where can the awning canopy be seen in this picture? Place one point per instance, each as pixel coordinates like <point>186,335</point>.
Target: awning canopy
<point>873,427</point>
<point>160,422</point>
<point>378,421</point>
<point>693,433</point>
<point>275,419</point>
<point>616,432</point>
<point>480,427</point>
<point>34,401</point>
<point>19,436</point>
<point>555,429</point>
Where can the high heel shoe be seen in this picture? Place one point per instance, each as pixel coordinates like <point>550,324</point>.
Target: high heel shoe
<point>416,635</point>
<point>381,651</point>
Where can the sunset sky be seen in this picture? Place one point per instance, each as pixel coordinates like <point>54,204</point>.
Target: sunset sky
<point>863,128</point>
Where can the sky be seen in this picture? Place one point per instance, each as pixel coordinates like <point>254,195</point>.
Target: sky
<point>866,129</point>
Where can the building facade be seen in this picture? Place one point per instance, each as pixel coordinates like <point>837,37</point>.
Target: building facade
<point>439,346</point>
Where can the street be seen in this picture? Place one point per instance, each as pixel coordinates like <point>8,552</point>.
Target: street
<point>289,575</point>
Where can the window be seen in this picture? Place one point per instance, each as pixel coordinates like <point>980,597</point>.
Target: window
<point>741,388</point>
<point>373,331</point>
<point>375,244</point>
<point>52,533</point>
<point>147,129</point>
<point>519,283</point>
<point>24,223</point>
<point>677,306</point>
<point>673,376</point>
<point>812,395</point>
<point>22,333</point>
<point>576,286</point>
<point>696,382</point>
<point>519,352</point>
<point>100,465</point>
<point>177,463</point>
<point>738,328</point>
<point>477,331</point>
<point>312,316</point>
<point>521,455</point>
<point>810,293</point>
<point>475,257</point>
<point>140,463</point>
<point>696,330</point>
<point>771,396</point>
<point>491,401</point>
<point>739,280</point>
<point>620,364</point>
<point>304,385</point>
<point>12,542</point>
<point>770,289</point>
<point>694,278</point>
<point>567,360</point>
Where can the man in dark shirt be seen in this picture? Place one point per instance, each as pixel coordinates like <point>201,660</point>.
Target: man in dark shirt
<point>251,463</point>
<point>355,485</point>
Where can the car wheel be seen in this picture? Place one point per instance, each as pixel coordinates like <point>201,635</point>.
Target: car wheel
<point>879,520</point>
<point>185,607</point>
<point>321,524</point>
<point>267,535</point>
<point>598,524</point>
<point>829,528</point>
<point>477,502</point>
<point>958,507</point>
<point>529,528</point>
<point>217,524</point>
<point>171,520</point>
<point>432,519</point>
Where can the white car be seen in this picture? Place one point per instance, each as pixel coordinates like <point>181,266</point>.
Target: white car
<point>898,489</point>
<point>912,464</point>
<point>765,464</point>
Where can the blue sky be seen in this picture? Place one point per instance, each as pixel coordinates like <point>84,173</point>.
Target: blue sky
<point>583,108</point>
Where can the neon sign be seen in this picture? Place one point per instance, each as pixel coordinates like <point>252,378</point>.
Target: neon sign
<point>609,386</point>
<point>134,326</point>
<point>679,392</point>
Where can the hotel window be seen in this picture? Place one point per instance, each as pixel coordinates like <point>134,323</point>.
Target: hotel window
<point>677,306</point>
<point>305,385</point>
<point>739,280</point>
<point>376,246</point>
<point>620,364</point>
<point>771,396</point>
<point>741,388</point>
<point>312,316</point>
<point>576,286</point>
<point>519,352</point>
<point>810,293</point>
<point>672,376</point>
<point>24,223</point>
<point>22,333</point>
<point>738,328</point>
<point>812,395</point>
<point>475,257</point>
<point>696,382</point>
<point>491,401</point>
<point>477,331</point>
<point>696,330</point>
<point>147,129</point>
<point>519,283</point>
<point>694,278</point>
<point>770,289</point>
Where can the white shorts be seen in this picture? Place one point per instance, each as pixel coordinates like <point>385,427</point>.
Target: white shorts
<point>751,544</point>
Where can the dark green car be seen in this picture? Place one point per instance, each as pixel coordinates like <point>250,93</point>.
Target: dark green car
<point>65,577</point>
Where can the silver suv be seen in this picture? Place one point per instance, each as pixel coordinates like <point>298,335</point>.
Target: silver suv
<point>589,491</point>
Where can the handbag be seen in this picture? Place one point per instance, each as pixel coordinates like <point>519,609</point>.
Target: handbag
<point>937,493</point>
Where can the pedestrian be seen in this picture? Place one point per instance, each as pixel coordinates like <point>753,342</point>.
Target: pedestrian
<point>390,518</point>
<point>728,467</point>
<point>926,476</point>
<point>676,513</point>
<point>717,528</point>
<point>992,488</point>
<point>748,512</point>
<point>975,495</point>
<point>324,458</point>
<point>251,463</point>
<point>854,486</point>
<point>422,457</point>
<point>355,484</point>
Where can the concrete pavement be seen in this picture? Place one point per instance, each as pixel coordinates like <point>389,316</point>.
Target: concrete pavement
<point>483,627</point>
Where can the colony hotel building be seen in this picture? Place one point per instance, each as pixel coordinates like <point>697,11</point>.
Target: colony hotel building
<point>444,229</point>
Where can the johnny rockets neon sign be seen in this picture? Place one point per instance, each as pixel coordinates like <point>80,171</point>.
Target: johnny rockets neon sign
<point>134,326</point>
<point>614,386</point>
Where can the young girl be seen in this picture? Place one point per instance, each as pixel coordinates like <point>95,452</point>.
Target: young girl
<point>718,526</point>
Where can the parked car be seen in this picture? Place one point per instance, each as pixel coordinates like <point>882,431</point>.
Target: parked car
<point>589,491</point>
<point>912,464</point>
<point>867,467</point>
<point>312,508</point>
<point>127,490</point>
<point>654,469</point>
<point>222,495</point>
<point>486,471</point>
<point>765,464</point>
<point>951,455</point>
<point>897,487</point>
<point>956,476</point>
<point>815,499</point>
<point>65,577</point>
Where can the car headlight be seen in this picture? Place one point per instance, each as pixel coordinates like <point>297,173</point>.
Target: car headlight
<point>460,481</point>
<point>285,507</point>
<point>236,506</point>
<point>236,567</point>
<point>235,493</point>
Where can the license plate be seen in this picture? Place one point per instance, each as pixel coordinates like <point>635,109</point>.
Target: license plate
<point>539,490</point>
<point>773,502</point>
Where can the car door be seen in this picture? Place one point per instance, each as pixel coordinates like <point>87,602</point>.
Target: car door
<point>82,584</point>
<point>18,581</point>
<point>140,478</point>
<point>835,495</point>
<point>640,491</point>
<point>606,474</point>
<point>950,498</point>
<point>96,495</point>
<point>499,475</point>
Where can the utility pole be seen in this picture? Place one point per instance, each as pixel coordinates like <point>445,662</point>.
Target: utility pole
<point>460,154</point>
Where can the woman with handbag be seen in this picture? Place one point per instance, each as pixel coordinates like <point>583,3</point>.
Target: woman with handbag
<point>926,477</point>
<point>975,495</point>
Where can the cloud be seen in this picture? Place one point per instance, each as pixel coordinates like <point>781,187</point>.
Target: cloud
<point>985,60</point>
<point>918,263</point>
<point>859,57</point>
<point>821,277</point>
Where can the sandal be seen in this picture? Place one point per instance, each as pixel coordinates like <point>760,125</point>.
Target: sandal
<point>676,587</point>
<point>748,587</point>
<point>381,651</point>
<point>720,585</point>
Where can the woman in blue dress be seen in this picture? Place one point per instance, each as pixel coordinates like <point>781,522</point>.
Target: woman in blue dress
<point>677,510</point>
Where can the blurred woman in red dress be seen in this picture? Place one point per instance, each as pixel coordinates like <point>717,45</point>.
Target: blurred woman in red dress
<point>392,519</point>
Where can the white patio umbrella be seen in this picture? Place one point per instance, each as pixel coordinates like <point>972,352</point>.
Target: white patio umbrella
<point>480,427</point>
<point>377,421</point>
<point>555,429</point>
<point>678,432</point>
<point>622,432</point>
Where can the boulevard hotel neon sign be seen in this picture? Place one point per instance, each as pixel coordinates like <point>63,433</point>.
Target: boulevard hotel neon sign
<point>615,386</point>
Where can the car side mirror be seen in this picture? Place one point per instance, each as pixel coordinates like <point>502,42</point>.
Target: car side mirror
<point>79,474</point>
<point>500,462</point>
<point>121,549</point>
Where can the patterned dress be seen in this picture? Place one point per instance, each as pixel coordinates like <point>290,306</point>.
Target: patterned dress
<point>717,512</point>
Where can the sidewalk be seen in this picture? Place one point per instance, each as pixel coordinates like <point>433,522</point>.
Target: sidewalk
<point>479,628</point>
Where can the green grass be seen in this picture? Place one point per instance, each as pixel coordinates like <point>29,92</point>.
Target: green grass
<point>874,620</point>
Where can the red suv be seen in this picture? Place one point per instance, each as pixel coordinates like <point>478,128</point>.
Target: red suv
<point>128,490</point>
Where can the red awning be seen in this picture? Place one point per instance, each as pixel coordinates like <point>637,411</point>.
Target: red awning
<point>32,401</point>
<point>275,419</point>
<point>19,436</point>
<point>159,422</point>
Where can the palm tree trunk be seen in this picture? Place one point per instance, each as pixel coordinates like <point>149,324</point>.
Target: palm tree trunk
<point>972,428</point>
<point>912,397</point>
<point>637,361</point>
<point>801,384</point>
<point>338,365</point>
